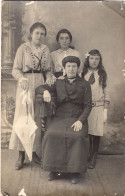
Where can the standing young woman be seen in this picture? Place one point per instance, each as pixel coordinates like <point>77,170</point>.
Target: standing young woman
<point>95,73</point>
<point>31,65</point>
<point>64,39</point>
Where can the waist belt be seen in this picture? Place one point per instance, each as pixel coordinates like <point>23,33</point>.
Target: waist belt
<point>33,71</point>
<point>97,103</point>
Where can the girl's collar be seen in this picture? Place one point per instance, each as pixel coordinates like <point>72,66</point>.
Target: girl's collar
<point>61,50</point>
<point>93,71</point>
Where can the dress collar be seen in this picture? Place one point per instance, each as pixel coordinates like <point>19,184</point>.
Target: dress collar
<point>29,45</point>
<point>93,71</point>
<point>64,51</point>
<point>76,78</point>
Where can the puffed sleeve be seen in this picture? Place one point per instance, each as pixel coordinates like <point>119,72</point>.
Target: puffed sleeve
<point>18,64</point>
<point>87,103</point>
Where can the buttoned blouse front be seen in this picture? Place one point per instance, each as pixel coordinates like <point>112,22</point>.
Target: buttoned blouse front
<point>27,58</point>
<point>59,55</point>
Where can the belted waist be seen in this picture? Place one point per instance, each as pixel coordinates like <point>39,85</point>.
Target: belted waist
<point>97,103</point>
<point>33,71</point>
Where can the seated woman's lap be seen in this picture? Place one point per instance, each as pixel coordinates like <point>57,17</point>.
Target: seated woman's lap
<point>58,128</point>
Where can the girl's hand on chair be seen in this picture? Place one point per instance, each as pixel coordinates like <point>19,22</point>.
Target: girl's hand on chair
<point>61,77</point>
<point>46,96</point>
<point>77,125</point>
<point>105,115</point>
<point>51,80</point>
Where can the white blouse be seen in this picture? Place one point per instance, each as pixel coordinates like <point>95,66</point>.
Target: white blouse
<point>28,58</point>
<point>98,93</point>
<point>58,55</point>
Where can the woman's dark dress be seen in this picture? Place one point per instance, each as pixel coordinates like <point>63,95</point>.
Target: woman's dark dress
<point>63,149</point>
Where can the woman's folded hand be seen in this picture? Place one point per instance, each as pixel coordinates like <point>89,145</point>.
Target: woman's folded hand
<point>77,125</point>
<point>46,96</point>
<point>24,85</point>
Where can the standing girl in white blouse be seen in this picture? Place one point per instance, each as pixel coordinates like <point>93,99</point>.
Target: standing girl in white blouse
<point>64,39</point>
<point>95,73</point>
<point>31,66</point>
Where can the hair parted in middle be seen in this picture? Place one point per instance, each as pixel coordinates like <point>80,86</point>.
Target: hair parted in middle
<point>37,25</point>
<point>64,31</point>
<point>101,70</point>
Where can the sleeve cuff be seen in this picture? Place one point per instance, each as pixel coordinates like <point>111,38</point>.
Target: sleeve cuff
<point>82,120</point>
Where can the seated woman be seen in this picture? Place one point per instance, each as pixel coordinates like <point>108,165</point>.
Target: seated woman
<point>65,143</point>
<point>64,39</point>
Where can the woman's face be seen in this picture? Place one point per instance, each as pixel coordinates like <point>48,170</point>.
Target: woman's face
<point>64,41</point>
<point>71,69</point>
<point>94,61</point>
<point>38,36</point>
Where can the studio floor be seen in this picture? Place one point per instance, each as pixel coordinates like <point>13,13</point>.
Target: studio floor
<point>107,179</point>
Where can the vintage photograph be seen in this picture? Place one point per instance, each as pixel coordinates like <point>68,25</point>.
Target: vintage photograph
<point>63,98</point>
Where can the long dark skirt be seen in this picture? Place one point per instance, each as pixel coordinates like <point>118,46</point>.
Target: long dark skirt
<point>63,149</point>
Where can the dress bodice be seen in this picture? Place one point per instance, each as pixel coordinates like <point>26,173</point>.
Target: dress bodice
<point>98,93</point>
<point>58,55</point>
<point>28,58</point>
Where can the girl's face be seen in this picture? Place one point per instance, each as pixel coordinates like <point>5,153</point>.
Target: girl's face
<point>64,41</point>
<point>94,61</point>
<point>38,36</point>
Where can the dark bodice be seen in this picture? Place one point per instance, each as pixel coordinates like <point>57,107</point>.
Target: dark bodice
<point>70,92</point>
<point>73,99</point>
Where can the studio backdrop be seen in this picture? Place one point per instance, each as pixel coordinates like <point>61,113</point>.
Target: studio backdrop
<point>94,25</point>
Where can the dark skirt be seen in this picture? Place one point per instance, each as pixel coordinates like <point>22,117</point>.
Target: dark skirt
<point>63,149</point>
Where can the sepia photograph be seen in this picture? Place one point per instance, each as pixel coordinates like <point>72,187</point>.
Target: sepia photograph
<point>62,98</point>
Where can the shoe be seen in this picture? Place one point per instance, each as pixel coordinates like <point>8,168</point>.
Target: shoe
<point>36,159</point>
<point>92,163</point>
<point>75,178</point>
<point>52,176</point>
<point>20,161</point>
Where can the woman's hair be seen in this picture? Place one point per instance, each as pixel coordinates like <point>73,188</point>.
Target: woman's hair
<point>63,31</point>
<point>71,59</point>
<point>101,70</point>
<point>37,25</point>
